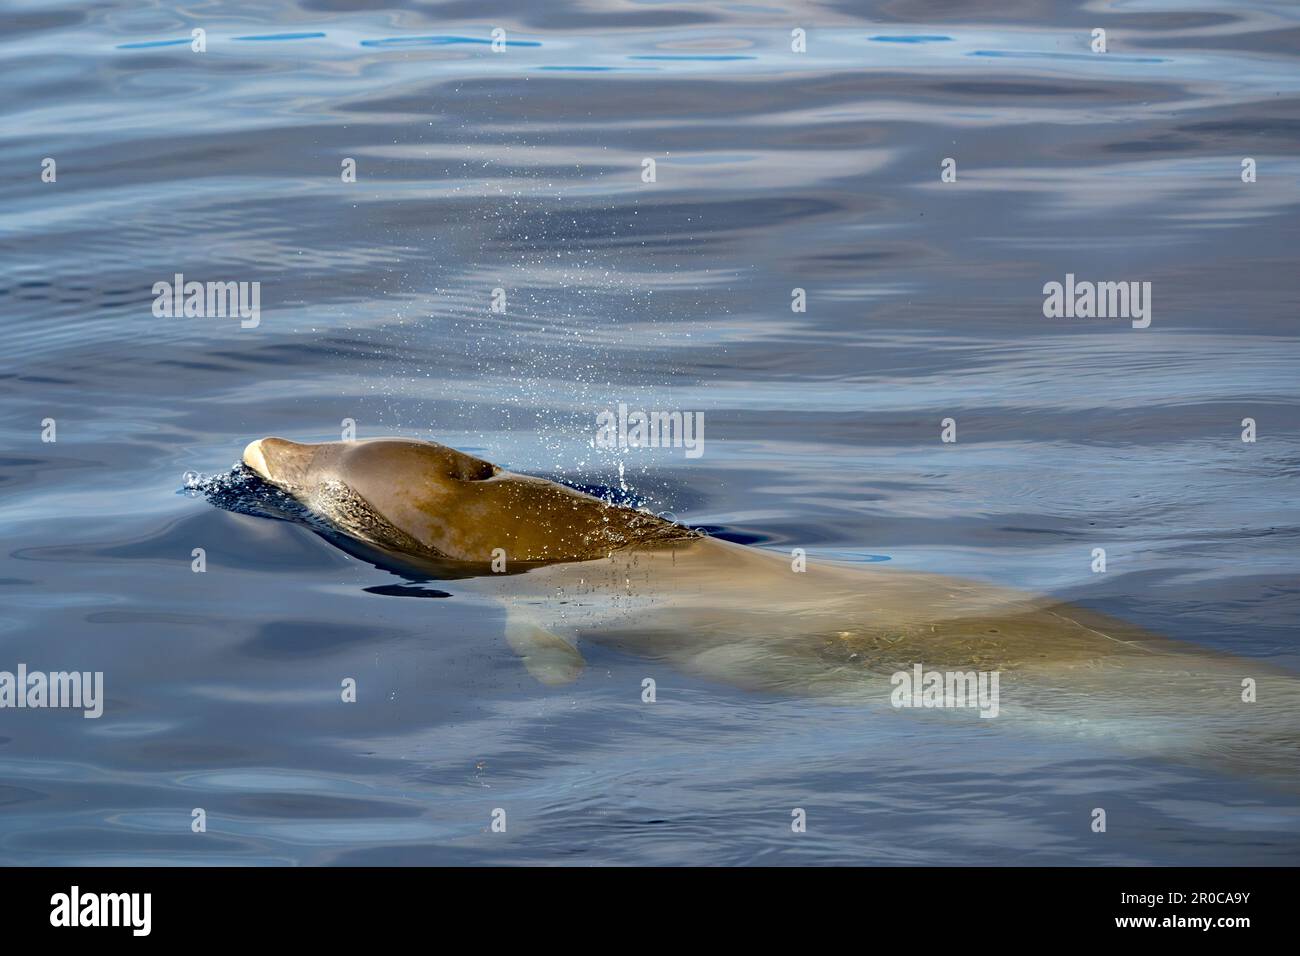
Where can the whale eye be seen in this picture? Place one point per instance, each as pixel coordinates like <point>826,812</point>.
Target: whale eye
<point>462,467</point>
<point>388,457</point>
<point>473,469</point>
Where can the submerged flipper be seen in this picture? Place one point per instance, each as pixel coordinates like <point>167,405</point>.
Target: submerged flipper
<point>550,659</point>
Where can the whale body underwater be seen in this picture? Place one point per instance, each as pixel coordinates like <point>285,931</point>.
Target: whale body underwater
<point>571,568</point>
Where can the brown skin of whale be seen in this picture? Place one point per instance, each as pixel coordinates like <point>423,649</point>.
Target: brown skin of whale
<point>742,615</point>
<point>456,506</point>
<point>462,508</point>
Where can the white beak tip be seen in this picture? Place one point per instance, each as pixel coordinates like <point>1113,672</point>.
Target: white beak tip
<point>254,458</point>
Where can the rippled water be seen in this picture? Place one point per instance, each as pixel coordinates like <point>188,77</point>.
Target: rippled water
<point>522,170</point>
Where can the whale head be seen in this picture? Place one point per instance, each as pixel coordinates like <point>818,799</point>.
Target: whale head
<point>285,464</point>
<point>403,495</point>
<point>425,499</point>
<point>383,462</point>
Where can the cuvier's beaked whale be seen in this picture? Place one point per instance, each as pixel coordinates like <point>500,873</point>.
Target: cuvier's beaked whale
<point>598,571</point>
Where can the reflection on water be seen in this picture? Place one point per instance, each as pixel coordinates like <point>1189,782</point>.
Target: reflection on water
<point>522,170</point>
